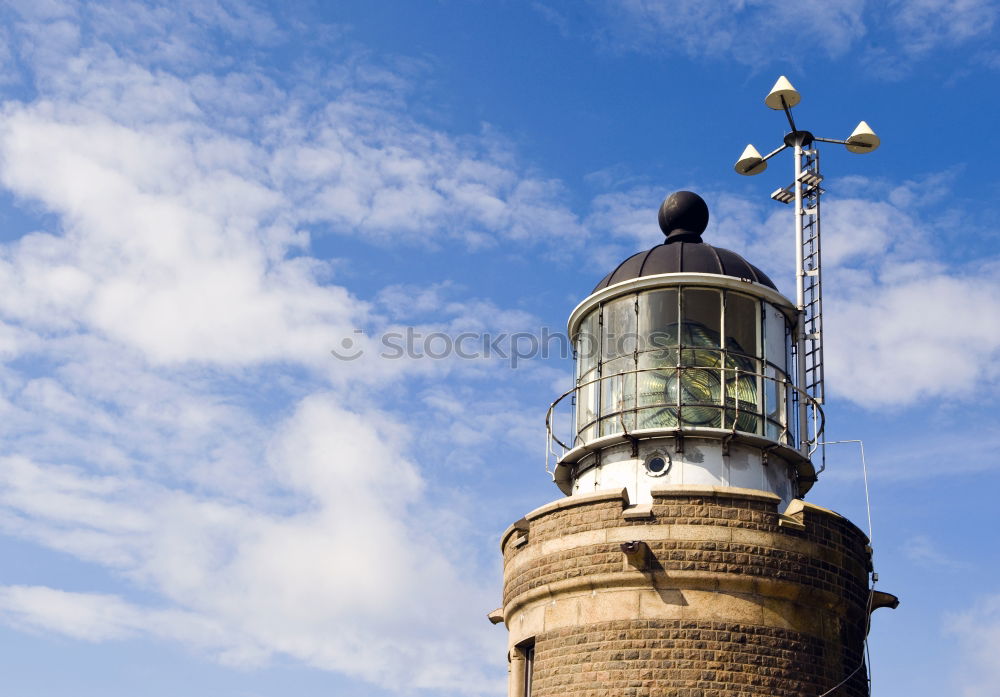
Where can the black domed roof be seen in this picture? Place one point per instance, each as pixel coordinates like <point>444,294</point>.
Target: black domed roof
<point>685,257</point>
<point>683,217</point>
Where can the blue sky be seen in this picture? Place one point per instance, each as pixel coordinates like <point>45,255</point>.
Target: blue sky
<point>199,201</point>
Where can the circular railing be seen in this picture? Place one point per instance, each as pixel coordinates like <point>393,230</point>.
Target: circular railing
<point>710,396</point>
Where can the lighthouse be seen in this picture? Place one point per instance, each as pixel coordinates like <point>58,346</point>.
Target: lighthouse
<point>683,558</point>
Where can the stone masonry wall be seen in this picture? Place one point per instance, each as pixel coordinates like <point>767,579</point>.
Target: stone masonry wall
<point>684,659</point>
<point>730,598</point>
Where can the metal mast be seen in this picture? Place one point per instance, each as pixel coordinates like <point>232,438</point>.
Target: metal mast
<point>804,192</point>
<point>809,276</point>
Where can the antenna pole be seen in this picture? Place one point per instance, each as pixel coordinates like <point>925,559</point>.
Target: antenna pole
<point>805,191</point>
<point>800,272</point>
<point>800,334</point>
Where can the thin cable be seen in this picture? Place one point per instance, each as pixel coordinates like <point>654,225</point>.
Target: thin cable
<point>866,656</point>
<point>864,469</point>
<point>868,663</point>
<point>868,622</point>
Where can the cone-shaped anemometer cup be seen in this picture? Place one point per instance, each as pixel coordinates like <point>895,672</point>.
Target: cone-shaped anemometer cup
<point>782,88</point>
<point>750,162</point>
<point>863,139</point>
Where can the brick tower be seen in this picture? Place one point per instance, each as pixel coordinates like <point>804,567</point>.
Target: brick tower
<point>683,559</point>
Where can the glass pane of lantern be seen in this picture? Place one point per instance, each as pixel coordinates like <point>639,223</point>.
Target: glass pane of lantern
<point>653,385</point>
<point>621,364</point>
<point>742,389</point>
<point>657,390</point>
<point>587,344</point>
<point>701,416</point>
<point>658,319</point>
<point>701,312</point>
<point>657,417</point>
<point>772,395</point>
<point>699,391</point>
<point>791,426</point>
<point>587,434</point>
<point>619,328</point>
<point>742,321</point>
<point>775,395</point>
<point>776,404</point>
<point>617,394</point>
<point>659,336</point>
<point>774,336</point>
<point>701,357</point>
<point>613,424</point>
<point>586,404</point>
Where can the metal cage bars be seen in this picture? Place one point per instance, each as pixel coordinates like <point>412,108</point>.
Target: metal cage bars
<point>808,439</point>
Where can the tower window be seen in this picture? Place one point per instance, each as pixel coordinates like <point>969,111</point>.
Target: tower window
<point>529,667</point>
<point>522,659</point>
<point>657,464</point>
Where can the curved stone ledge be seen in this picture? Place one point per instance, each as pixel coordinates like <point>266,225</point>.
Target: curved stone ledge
<point>730,492</point>
<point>681,581</point>
<point>666,531</point>
<point>579,500</point>
<point>563,504</point>
<point>703,503</point>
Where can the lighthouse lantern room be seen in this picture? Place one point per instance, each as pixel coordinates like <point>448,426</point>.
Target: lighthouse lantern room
<point>683,374</point>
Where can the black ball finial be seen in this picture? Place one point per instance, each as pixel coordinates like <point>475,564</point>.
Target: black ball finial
<point>683,217</point>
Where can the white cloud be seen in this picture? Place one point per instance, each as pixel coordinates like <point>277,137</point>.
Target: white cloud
<point>99,617</point>
<point>924,552</point>
<point>929,23</point>
<point>167,417</point>
<point>183,227</point>
<point>902,324</point>
<point>746,32</point>
<point>978,631</point>
<point>888,38</point>
<point>917,334</point>
<point>315,573</point>
<point>160,252</point>
<point>629,214</point>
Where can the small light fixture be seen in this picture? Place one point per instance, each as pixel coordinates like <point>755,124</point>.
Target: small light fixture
<point>657,464</point>
<point>783,196</point>
<point>810,178</point>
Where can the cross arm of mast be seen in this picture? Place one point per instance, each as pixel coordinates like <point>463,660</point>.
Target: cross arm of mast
<point>788,112</point>
<point>771,154</point>
<point>830,140</point>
